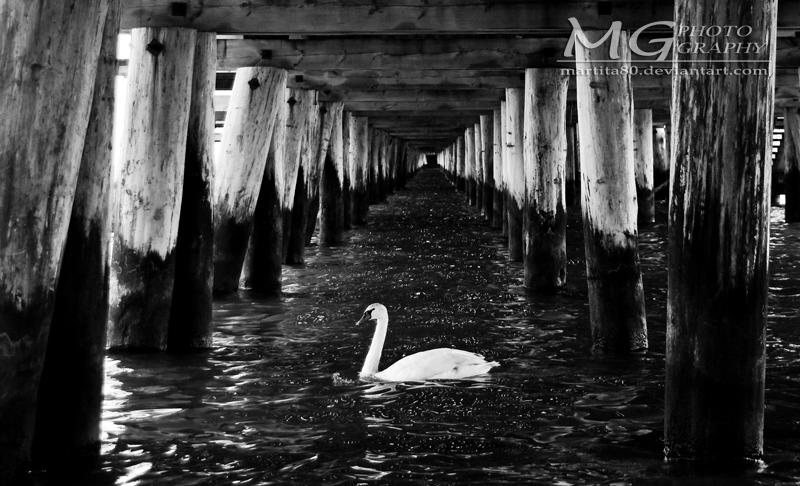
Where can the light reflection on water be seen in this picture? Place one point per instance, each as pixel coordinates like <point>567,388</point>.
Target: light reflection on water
<point>264,405</point>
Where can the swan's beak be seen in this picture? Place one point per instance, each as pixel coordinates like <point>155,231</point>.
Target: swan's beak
<point>363,320</point>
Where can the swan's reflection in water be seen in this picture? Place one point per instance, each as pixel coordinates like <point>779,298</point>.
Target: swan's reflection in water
<point>278,398</point>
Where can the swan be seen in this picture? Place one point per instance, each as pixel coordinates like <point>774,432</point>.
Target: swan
<point>434,364</point>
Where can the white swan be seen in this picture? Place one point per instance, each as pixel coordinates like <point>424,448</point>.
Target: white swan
<point>435,364</point>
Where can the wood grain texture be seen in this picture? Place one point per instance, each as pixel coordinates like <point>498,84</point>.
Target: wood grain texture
<point>70,392</point>
<point>256,101</point>
<point>719,245</point>
<point>190,325</point>
<point>605,124</point>
<point>395,17</point>
<point>544,159</point>
<point>643,153</point>
<point>250,119</point>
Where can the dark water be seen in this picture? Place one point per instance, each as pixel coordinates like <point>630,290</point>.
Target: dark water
<point>264,405</point>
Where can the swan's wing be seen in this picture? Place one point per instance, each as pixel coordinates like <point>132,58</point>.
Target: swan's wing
<point>437,364</point>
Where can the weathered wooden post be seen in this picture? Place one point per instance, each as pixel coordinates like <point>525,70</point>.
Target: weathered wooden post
<point>347,119</point>
<point>359,167</point>
<point>302,106</point>
<point>497,171</point>
<point>328,113</point>
<point>461,169</point>
<point>572,178</point>
<point>660,158</point>
<point>477,139</point>
<point>545,153</point>
<point>605,123</point>
<point>643,153</point>
<point>516,171</point>
<point>70,392</point>
<point>192,297</point>
<point>373,166</point>
<point>143,258</point>
<point>49,62</point>
<point>487,166</point>
<point>332,187</point>
<point>295,234</point>
<point>718,241</point>
<point>791,181</point>
<point>504,173</point>
<point>469,164</point>
<point>264,262</point>
<point>252,111</point>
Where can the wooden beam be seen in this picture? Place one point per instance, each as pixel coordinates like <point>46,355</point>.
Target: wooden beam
<point>420,106</point>
<point>490,53</point>
<point>374,114</point>
<point>391,54</point>
<point>403,17</point>
<point>362,79</point>
<point>408,95</point>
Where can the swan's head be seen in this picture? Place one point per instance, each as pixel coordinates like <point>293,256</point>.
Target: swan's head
<point>375,312</point>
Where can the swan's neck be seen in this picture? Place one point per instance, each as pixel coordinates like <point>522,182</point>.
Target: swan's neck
<point>374,355</point>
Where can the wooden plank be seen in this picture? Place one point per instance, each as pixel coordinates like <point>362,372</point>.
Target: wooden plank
<point>490,53</point>
<point>421,106</point>
<point>362,79</point>
<point>403,16</point>
<point>396,17</point>
<point>390,54</point>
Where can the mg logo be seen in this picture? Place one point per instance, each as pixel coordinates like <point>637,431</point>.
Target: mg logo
<point>663,44</point>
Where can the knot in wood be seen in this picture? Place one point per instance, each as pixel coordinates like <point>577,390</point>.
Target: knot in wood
<point>155,47</point>
<point>254,83</point>
<point>292,101</point>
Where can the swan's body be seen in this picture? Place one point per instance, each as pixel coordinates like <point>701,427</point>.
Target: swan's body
<point>434,364</point>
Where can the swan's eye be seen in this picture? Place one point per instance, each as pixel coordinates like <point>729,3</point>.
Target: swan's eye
<point>368,314</point>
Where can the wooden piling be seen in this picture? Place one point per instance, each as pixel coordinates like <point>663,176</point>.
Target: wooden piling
<point>497,171</point>
<point>791,179</point>
<point>477,139</point>
<point>190,324</point>
<point>302,105</point>
<point>605,123</point>
<point>719,243</point>
<point>504,173</point>
<point>461,169</point>
<point>264,262</point>
<point>250,120</point>
<point>328,113</point>
<point>332,187</point>
<point>359,167</point>
<point>373,175</point>
<point>469,165</point>
<point>295,233</point>
<point>514,162</point>
<point>643,153</point>
<point>347,119</point>
<point>572,177</point>
<point>545,153</point>
<point>70,392</point>
<point>151,187</point>
<point>487,171</point>
<point>660,158</point>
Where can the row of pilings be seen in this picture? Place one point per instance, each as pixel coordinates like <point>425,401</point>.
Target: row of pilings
<point>518,165</point>
<point>131,261</point>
